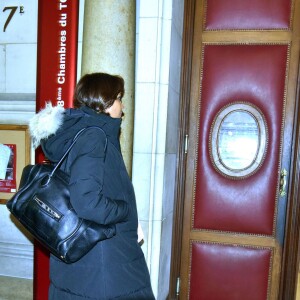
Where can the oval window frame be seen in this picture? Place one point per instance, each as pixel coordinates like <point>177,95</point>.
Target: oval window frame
<point>263,138</point>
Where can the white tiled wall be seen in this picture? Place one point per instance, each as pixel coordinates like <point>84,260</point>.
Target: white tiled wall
<point>155,133</point>
<point>16,251</point>
<point>20,71</point>
<point>17,96</point>
<point>2,68</point>
<point>22,28</point>
<point>19,45</point>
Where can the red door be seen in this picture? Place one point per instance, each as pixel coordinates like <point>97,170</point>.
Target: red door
<point>244,63</point>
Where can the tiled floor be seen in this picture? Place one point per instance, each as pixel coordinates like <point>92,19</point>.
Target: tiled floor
<point>15,288</point>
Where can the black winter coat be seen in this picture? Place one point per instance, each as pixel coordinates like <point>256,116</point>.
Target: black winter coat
<point>101,191</point>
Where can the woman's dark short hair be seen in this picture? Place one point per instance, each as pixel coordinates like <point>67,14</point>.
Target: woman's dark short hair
<point>98,91</point>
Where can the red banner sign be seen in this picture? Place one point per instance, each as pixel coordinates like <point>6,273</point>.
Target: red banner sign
<point>57,51</point>
<point>56,79</point>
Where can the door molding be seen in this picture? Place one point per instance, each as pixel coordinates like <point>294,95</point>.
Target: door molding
<point>291,255</point>
<point>185,92</point>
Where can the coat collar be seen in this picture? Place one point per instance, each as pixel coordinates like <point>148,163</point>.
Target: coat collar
<point>111,126</point>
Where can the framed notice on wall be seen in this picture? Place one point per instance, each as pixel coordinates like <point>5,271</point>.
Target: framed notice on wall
<point>8,159</point>
<point>14,156</point>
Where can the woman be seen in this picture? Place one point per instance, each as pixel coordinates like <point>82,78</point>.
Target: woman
<point>100,190</point>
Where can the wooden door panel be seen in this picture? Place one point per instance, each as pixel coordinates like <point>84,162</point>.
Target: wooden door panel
<point>254,74</point>
<point>255,14</point>
<point>225,272</point>
<point>236,53</point>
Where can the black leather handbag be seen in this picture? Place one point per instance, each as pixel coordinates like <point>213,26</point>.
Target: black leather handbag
<point>42,205</point>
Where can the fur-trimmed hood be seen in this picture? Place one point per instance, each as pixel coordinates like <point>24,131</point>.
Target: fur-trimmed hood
<point>46,123</point>
<point>55,127</point>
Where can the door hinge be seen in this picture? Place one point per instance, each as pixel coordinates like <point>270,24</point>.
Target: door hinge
<point>177,286</point>
<point>186,143</point>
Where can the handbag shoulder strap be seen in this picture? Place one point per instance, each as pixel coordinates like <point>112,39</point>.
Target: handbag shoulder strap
<point>78,134</point>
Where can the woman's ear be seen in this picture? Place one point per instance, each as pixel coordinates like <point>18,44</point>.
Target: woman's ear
<point>107,110</point>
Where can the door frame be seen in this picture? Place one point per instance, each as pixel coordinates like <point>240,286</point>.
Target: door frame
<point>291,256</point>
<point>290,259</point>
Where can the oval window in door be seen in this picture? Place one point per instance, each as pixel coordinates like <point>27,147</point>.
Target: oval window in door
<point>238,140</point>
